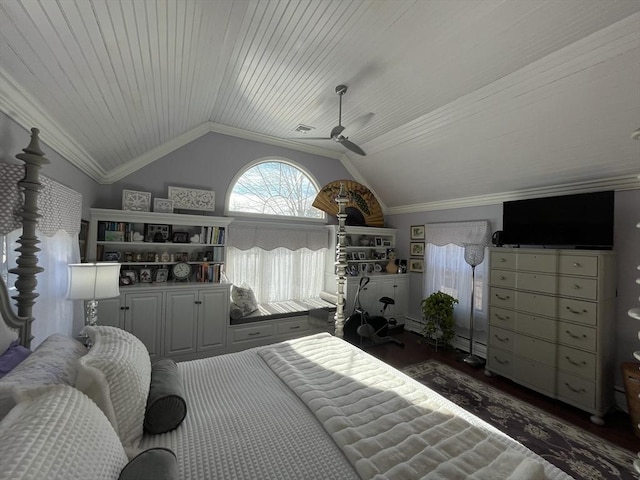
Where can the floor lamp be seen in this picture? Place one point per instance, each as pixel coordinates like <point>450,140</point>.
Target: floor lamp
<point>473,255</point>
<point>92,282</point>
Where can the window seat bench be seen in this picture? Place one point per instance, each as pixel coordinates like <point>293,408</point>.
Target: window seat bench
<point>290,308</point>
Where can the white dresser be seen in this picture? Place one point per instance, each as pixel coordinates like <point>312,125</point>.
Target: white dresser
<point>551,323</point>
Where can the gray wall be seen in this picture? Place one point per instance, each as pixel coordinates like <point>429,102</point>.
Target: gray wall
<point>627,248</point>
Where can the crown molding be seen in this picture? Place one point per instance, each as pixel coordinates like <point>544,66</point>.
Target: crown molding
<point>18,105</point>
<point>624,182</point>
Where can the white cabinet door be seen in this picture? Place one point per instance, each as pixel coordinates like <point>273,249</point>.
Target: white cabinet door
<point>213,316</point>
<point>111,312</point>
<point>143,318</point>
<point>182,314</point>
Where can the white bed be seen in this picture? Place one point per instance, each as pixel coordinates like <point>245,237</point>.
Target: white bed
<point>311,408</point>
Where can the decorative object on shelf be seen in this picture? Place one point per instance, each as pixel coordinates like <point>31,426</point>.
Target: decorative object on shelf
<point>93,282</point>
<point>82,239</point>
<point>437,311</point>
<point>128,256</point>
<point>391,265</point>
<point>181,271</point>
<point>377,268</point>
<point>161,275</point>
<point>157,233</point>
<point>145,275</point>
<point>138,237</point>
<point>192,199</point>
<point>136,201</point>
<point>162,205</point>
<point>165,257</point>
<point>113,236</point>
<point>473,255</point>
<point>111,256</point>
<point>417,249</point>
<point>416,265</point>
<point>132,275</point>
<point>362,207</point>
<point>417,232</point>
<point>180,237</point>
<point>195,238</point>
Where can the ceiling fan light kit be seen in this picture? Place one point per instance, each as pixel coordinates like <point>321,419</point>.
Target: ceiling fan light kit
<point>336,132</point>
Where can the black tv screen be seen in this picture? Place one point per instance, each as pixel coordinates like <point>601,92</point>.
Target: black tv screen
<point>580,221</point>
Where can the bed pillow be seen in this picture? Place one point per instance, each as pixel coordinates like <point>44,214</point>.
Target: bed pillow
<point>7,335</point>
<point>153,464</point>
<point>58,433</point>
<point>243,298</point>
<point>166,406</point>
<point>12,357</point>
<point>116,373</point>
<point>53,362</point>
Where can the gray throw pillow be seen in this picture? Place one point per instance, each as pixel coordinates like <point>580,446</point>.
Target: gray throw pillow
<point>244,299</point>
<point>166,406</point>
<point>153,464</point>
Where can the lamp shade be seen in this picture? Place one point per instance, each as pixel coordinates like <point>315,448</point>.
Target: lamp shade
<point>474,253</point>
<point>93,281</point>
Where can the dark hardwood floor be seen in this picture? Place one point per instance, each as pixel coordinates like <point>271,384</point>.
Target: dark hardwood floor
<point>617,428</point>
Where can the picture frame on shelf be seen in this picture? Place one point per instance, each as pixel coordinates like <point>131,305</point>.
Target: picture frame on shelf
<point>157,233</point>
<point>416,265</point>
<point>192,198</point>
<point>417,232</point>
<point>162,274</point>
<point>113,236</point>
<point>136,201</point>
<point>378,241</point>
<point>362,256</point>
<point>131,274</point>
<point>386,243</point>
<point>180,237</point>
<point>145,275</point>
<point>416,249</point>
<point>162,205</point>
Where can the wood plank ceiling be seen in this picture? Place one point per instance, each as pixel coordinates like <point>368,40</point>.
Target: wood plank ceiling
<point>471,98</point>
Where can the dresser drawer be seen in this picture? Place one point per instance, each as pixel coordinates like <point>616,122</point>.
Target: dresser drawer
<point>500,361</point>
<point>576,390</point>
<point>535,349</point>
<point>501,317</point>
<point>577,336</point>
<point>578,311</point>
<point>578,265</point>
<point>501,297</point>
<point>250,333</point>
<point>542,327</point>
<point>577,362</point>
<point>297,324</point>
<point>534,375</point>
<point>534,262</point>
<point>537,282</point>
<point>536,303</point>
<point>503,278</point>
<point>586,288</point>
<point>503,260</point>
<point>501,338</point>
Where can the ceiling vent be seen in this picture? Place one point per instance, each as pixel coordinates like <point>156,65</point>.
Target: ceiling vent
<point>303,129</point>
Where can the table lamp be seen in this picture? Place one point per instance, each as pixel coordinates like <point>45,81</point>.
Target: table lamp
<point>92,282</point>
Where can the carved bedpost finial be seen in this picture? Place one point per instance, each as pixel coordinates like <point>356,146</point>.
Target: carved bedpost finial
<point>27,262</point>
<point>341,261</point>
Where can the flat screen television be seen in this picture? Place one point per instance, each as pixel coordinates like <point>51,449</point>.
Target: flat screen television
<point>569,221</point>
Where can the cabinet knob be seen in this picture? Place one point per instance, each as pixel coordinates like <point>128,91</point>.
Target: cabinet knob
<point>198,302</point>
<point>123,308</point>
<point>577,265</point>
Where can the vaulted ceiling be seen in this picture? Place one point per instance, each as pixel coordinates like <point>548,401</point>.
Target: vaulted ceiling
<point>474,101</point>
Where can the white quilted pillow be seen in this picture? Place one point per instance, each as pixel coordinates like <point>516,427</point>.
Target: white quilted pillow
<point>116,374</point>
<point>56,432</point>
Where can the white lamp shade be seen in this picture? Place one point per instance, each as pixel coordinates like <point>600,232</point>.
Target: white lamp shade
<point>93,281</point>
<point>473,254</point>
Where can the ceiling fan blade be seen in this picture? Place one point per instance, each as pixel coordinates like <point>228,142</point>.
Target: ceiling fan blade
<point>336,131</point>
<point>353,147</point>
<point>309,138</point>
<point>358,124</point>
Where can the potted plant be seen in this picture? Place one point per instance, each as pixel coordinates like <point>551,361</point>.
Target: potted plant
<point>437,310</point>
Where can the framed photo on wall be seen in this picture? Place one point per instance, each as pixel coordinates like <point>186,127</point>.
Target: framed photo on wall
<point>417,249</point>
<point>416,265</point>
<point>417,232</point>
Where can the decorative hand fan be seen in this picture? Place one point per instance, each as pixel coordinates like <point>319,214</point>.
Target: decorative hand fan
<point>362,208</point>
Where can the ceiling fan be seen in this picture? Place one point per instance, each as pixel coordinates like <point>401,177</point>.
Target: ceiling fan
<point>336,132</point>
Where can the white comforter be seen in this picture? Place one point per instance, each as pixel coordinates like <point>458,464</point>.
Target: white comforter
<point>290,410</point>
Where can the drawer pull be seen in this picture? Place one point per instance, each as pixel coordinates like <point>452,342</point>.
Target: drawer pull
<point>499,297</point>
<point>502,259</point>
<point>500,317</point>
<point>576,390</point>
<point>503,339</point>
<point>573,335</point>
<point>253,334</point>
<point>502,277</point>
<point>294,327</point>
<point>577,364</point>
<point>576,286</point>
<point>577,312</point>
<point>501,362</point>
<point>577,265</point>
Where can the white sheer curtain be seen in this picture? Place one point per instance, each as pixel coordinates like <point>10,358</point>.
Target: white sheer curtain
<point>447,271</point>
<point>57,231</point>
<point>278,261</point>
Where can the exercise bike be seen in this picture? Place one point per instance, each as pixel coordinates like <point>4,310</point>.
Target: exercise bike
<point>366,330</point>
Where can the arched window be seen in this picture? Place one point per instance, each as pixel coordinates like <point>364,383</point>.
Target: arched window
<point>274,188</point>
